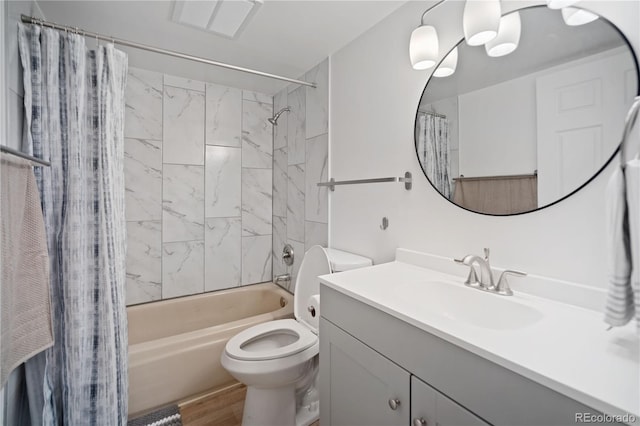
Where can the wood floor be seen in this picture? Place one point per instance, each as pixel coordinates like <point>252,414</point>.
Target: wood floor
<point>220,407</point>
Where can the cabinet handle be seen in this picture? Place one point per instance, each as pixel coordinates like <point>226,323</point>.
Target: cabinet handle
<point>419,422</point>
<point>394,404</point>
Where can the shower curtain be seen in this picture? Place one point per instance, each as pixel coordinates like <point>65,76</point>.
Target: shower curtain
<point>433,150</point>
<point>74,116</point>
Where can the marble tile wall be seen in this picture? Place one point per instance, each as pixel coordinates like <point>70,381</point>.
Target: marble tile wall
<point>198,177</point>
<point>300,161</point>
<point>257,183</point>
<point>222,241</point>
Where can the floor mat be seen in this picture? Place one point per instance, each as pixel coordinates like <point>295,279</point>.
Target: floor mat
<point>168,416</point>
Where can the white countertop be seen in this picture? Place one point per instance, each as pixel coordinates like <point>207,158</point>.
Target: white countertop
<point>568,349</point>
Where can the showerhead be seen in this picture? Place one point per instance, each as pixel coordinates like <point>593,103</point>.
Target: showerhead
<point>274,120</point>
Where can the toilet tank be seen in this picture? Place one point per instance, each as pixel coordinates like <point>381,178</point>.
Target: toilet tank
<point>344,261</point>
<point>319,261</point>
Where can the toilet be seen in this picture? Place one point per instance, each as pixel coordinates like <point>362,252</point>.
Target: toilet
<point>278,360</point>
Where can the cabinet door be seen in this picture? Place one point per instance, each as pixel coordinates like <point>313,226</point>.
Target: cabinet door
<point>423,403</point>
<point>360,387</point>
<point>431,408</point>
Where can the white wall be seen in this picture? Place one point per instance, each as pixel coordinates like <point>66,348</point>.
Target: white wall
<point>374,94</point>
<point>492,125</point>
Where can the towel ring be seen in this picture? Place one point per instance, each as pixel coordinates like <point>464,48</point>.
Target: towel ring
<point>629,122</point>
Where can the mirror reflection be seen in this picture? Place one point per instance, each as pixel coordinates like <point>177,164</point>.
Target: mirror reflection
<point>507,128</point>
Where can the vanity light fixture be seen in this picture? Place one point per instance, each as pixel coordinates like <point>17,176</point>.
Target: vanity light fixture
<point>559,4</point>
<point>573,16</point>
<point>480,21</point>
<point>508,36</point>
<point>423,47</point>
<point>448,65</point>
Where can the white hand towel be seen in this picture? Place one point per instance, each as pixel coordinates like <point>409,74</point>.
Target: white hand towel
<point>24,268</point>
<point>620,306</point>
<point>632,177</point>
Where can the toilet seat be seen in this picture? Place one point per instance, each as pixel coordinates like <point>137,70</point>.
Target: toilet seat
<point>270,340</point>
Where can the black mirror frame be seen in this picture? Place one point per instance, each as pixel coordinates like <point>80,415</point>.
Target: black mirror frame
<point>587,182</point>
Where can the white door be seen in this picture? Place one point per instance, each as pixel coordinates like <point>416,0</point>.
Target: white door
<point>581,113</point>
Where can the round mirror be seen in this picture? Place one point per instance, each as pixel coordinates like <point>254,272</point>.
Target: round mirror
<point>522,123</point>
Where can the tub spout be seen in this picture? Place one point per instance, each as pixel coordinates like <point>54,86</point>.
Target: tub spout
<point>284,279</point>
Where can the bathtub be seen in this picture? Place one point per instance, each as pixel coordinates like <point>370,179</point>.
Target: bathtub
<point>175,345</point>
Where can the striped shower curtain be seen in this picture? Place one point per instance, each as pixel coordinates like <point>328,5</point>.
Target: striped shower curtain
<point>74,116</point>
<point>432,136</point>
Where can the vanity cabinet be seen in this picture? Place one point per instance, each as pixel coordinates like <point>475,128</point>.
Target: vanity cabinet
<point>366,389</point>
<point>369,358</point>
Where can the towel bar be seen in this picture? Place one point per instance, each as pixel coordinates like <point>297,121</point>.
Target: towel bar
<point>333,183</point>
<point>24,156</point>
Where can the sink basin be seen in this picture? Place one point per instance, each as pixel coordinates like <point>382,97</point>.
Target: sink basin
<point>478,308</point>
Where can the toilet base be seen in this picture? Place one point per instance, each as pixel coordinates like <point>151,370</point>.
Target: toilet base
<point>277,407</point>
<point>307,415</point>
<point>270,407</point>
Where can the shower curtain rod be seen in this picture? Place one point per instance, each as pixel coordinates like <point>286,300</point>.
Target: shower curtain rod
<point>435,114</point>
<point>33,20</point>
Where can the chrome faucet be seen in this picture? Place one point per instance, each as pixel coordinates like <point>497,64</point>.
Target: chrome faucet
<point>486,282</point>
<point>284,278</point>
<point>486,277</point>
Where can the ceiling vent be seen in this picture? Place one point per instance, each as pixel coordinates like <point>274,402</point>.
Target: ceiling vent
<point>227,18</point>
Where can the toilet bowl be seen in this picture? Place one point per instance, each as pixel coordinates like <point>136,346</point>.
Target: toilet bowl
<point>278,360</point>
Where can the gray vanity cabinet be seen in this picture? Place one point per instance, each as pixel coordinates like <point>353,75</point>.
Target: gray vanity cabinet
<point>362,388</point>
<point>430,408</point>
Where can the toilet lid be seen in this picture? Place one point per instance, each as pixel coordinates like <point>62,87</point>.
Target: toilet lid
<point>314,264</point>
<point>270,340</point>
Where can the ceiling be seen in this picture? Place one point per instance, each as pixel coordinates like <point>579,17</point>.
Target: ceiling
<point>284,37</point>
